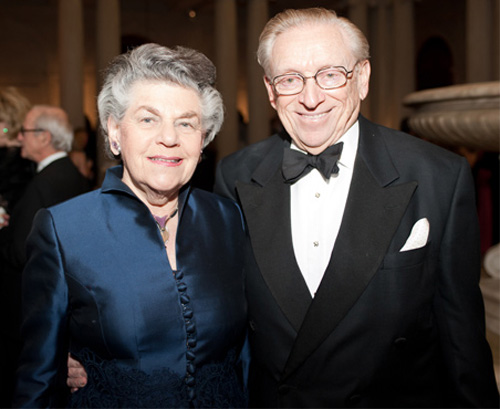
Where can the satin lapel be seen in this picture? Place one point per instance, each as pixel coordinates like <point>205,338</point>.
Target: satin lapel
<point>371,217</point>
<point>267,212</point>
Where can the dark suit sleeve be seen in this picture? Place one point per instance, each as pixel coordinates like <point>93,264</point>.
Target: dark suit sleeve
<point>224,183</point>
<point>45,302</point>
<point>459,306</point>
<point>14,236</point>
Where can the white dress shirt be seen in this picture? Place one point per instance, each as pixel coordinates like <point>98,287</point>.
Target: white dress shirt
<point>49,159</point>
<point>317,207</point>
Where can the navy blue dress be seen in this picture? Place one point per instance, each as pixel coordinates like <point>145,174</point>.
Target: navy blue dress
<point>98,283</point>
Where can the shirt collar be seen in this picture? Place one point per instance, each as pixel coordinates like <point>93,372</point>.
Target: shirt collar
<point>49,159</point>
<point>350,139</point>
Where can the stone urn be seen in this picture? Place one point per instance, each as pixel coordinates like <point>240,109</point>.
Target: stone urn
<point>465,115</point>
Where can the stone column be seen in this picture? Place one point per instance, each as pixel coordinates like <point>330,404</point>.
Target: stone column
<point>479,43</point>
<point>358,14</point>
<point>496,40</point>
<point>383,66</point>
<point>227,67</point>
<point>108,45</point>
<point>71,59</point>
<point>258,103</point>
<point>404,58</point>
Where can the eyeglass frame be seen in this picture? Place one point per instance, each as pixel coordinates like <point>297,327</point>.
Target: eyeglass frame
<point>23,130</point>
<point>347,75</point>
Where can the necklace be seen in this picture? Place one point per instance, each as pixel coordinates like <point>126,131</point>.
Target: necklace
<point>162,221</point>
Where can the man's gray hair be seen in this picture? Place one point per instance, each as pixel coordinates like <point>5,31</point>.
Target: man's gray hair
<point>55,121</point>
<point>152,62</point>
<point>292,18</point>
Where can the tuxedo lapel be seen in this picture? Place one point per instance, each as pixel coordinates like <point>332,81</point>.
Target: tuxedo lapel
<point>372,215</point>
<point>266,206</point>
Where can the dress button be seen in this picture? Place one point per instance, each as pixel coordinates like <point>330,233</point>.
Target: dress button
<point>316,243</point>
<point>317,195</point>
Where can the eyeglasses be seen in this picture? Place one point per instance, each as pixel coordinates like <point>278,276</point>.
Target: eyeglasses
<point>24,130</point>
<point>326,78</point>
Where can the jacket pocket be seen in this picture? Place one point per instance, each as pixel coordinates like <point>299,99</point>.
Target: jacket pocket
<point>402,259</point>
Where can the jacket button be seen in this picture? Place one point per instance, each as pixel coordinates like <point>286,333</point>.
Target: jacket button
<point>252,325</point>
<point>353,400</point>
<point>284,389</point>
<point>399,342</point>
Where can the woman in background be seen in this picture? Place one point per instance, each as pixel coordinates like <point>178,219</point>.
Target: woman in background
<point>142,279</point>
<point>15,172</point>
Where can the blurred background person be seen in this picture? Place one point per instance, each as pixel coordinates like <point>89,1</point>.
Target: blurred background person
<point>79,155</point>
<point>45,138</point>
<point>15,172</point>
<point>84,152</point>
<point>142,279</point>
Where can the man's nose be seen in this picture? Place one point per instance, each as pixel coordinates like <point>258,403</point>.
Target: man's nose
<point>312,95</point>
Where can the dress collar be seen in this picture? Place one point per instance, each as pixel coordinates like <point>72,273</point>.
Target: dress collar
<point>113,183</point>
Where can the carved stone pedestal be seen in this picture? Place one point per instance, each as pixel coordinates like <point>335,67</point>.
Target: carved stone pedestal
<point>460,115</point>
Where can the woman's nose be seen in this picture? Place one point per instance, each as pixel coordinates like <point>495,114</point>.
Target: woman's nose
<point>168,135</point>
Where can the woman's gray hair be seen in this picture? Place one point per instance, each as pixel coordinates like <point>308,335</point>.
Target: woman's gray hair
<point>288,19</point>
<point>55,120</point>
<point>152,62</point>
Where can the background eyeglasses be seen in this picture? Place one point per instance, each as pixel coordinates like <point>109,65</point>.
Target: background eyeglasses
<point>25,131</point>
<point>326,78</point>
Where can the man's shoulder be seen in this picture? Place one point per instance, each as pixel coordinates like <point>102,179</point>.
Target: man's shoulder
<point>405,147</point>
<point>256,150</point>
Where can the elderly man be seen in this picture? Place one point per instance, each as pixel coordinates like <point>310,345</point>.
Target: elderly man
<point>363,273</point>
<point>363,256</point>
<point>46,137</point>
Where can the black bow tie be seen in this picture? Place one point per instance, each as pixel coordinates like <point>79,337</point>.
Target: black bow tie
<point>297,164</point>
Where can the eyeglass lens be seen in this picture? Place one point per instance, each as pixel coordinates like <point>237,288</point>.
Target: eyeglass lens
<point>294,83</point>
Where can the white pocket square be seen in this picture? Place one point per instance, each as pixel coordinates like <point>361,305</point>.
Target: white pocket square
<point>418,236</point>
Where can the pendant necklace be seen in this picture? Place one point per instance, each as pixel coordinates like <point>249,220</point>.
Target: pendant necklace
<point>162,221</point>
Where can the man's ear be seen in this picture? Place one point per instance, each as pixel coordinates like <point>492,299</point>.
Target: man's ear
<point>114,135</point>
<point>364,72</point>
<point>270,92</point>
<point>45,138</point>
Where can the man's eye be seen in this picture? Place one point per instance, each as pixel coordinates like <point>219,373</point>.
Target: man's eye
<point>289,81</point>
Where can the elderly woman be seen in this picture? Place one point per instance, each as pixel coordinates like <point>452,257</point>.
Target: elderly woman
<point>142,279</point>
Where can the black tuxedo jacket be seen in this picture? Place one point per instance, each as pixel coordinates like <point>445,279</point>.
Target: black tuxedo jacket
<point>57,182</point>
<point>386,328</point>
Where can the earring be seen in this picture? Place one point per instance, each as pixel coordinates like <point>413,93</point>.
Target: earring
<point>117,147</point>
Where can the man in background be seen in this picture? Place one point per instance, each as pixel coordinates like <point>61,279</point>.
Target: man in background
<point>46,136</point>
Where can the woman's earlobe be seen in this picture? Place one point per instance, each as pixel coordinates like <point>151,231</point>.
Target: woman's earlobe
<point>117,147</point>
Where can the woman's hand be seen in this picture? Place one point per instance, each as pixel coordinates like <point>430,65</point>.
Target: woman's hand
<point>77,377</point>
